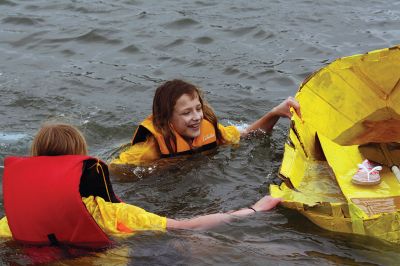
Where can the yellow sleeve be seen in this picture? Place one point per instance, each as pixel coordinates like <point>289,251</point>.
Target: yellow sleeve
<point>4,228</point>
<point>231,134</point>
<point>142,152</point>
<point>121,219</point>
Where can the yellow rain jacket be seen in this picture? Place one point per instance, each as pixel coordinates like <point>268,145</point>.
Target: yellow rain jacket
<point>149,150</point>
<point>115,219</point>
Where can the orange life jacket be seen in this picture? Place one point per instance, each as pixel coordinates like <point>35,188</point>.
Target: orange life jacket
<point>42,199</point>
<point>205,141</point>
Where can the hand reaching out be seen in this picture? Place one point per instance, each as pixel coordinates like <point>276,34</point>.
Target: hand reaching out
<point>266,203</point>
<point>268,121</point>
<point>283,109</point>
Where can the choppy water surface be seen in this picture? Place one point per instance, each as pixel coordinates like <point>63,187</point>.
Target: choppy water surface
<point>96,64</point>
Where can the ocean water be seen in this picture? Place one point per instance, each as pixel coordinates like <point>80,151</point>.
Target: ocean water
<point>96,64</point>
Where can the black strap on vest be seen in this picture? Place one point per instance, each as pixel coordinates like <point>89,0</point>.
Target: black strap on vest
<point>53,240</point>
<point>206,147</point>
<point>141,135</point>
<point>92,182</point>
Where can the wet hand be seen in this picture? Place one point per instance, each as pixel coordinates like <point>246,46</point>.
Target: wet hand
<point>283,109</point>
<point>266,203</point>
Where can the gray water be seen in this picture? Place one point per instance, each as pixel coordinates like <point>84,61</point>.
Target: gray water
<point>96,64</point>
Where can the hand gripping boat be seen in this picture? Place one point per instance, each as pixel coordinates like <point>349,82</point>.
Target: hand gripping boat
<point>350,112</point>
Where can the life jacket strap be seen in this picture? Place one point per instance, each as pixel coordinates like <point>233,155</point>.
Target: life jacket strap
<point>53,240</point>
<point>206,147</point>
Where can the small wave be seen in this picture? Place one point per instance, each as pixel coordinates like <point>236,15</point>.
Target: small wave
<point>282,81</point>
<point>22,20</point>
<point>95,36</point>
<point>182,23</point>
<point>231,71</point>
<point>179,61</point>
<point>315,50</point>
<point>204,40</point>
<point>261,34</point>
<point>208,3</point>
<point>265,72</point>
<point>247,76</point>
<point>132,49</point>
<point>68,52</point>
<point>7,3</point>
<point>133,2</point>
<point>86,10</point>
<point>240,31</point>
<point>198,63</point>
<point>175,43</point>
<point>32,38</point>
<point>28,102</point>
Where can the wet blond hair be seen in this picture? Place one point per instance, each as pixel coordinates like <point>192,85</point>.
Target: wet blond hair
<point>58,139</point>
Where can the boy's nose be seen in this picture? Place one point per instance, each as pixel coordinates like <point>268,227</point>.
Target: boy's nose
<point>197,116</point>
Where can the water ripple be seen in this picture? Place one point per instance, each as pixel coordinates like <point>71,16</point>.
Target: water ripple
<point>22,20</point>
<point>182,23</point>
<point>7,3</point>
<point>97,36</point>
<point>32,38</point>
<point>132,49</point>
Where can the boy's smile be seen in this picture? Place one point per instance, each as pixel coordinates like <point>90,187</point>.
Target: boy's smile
<point>187,116</point>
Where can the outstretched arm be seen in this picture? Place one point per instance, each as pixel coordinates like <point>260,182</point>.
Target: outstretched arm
<point>212,220</point>
<point>268,121</point>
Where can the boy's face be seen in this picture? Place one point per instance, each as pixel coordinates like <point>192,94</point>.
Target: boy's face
<point>187,116</point>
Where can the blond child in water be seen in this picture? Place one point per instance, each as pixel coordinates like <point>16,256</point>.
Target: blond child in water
<point>43,197</point>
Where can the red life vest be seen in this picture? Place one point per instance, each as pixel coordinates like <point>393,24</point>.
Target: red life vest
<point>42,199</point>
<point>205,141</point>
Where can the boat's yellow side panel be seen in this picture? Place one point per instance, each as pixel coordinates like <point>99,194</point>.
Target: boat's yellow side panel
<point>350,93</point>
<point>352,101</point>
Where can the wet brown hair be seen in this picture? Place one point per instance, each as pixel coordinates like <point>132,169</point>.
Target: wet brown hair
<point>163,106</point>
<point>58,139</point>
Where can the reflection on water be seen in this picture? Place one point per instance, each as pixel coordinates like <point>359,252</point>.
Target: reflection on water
<point>11,137</point>
<point>96,64</point>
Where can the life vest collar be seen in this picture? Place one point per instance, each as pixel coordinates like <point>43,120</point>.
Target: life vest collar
<point>205,141</point>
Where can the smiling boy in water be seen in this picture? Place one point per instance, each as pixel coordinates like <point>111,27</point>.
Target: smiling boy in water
<point>182,122</point>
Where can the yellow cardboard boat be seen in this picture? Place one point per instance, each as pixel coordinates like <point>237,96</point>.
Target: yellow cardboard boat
<point>347,105</point>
